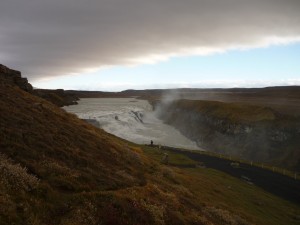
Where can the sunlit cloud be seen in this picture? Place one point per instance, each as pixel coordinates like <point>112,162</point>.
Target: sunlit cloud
<point>66,37</point>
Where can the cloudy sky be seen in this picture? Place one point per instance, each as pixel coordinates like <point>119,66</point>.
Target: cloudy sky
<point>121,44</point>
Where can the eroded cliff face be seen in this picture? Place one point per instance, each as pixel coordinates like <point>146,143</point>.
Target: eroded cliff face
<point>58,97</point>
<point>248,132</point>
<point>13,77</point>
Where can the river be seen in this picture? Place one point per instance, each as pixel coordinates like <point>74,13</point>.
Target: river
<point>131,119</point>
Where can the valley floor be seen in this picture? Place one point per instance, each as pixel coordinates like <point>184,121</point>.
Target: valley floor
<point>278,184</point>
<point>266,198</point>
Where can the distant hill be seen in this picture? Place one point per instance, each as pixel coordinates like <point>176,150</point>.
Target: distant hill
<point>284,99</point>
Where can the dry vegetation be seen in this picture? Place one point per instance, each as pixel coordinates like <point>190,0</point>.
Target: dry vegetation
<point>236,112</point>
<point>57,169</point>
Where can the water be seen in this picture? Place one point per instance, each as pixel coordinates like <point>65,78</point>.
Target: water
<point>130,119</point>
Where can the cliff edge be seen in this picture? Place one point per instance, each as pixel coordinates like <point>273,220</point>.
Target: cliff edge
<point>246,131</point>
<point>58,97</point>
<point>13,77</point>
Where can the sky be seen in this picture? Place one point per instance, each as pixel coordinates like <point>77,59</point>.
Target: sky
<point>114,45</point>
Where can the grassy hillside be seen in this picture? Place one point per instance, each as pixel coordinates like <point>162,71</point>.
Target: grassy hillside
<point>227,192</point>
<point>57,169</point>
<point>235,112</point>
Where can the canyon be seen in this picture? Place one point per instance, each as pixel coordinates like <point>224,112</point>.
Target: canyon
<point>250,132</point>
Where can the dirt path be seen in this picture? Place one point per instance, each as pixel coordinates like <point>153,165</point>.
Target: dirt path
<point>275,183</point>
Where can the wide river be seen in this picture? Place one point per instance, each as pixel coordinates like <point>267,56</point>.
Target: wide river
<point>130,119</point>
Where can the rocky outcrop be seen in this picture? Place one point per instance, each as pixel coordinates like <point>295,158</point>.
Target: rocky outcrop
<point>58,97</point>
<point>248,132</point>
<point>13,77</point>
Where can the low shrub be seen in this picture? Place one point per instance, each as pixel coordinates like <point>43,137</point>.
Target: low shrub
<point>15,177</point>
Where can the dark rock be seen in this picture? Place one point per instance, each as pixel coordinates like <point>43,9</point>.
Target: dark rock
<point>13,77</point>
<point>58,97</point>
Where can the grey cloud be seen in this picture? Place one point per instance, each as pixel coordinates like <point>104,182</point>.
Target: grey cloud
<point>57,37</point>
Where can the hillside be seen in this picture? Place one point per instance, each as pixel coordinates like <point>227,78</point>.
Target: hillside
<point>247,131</point>
<point>57,169</point>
